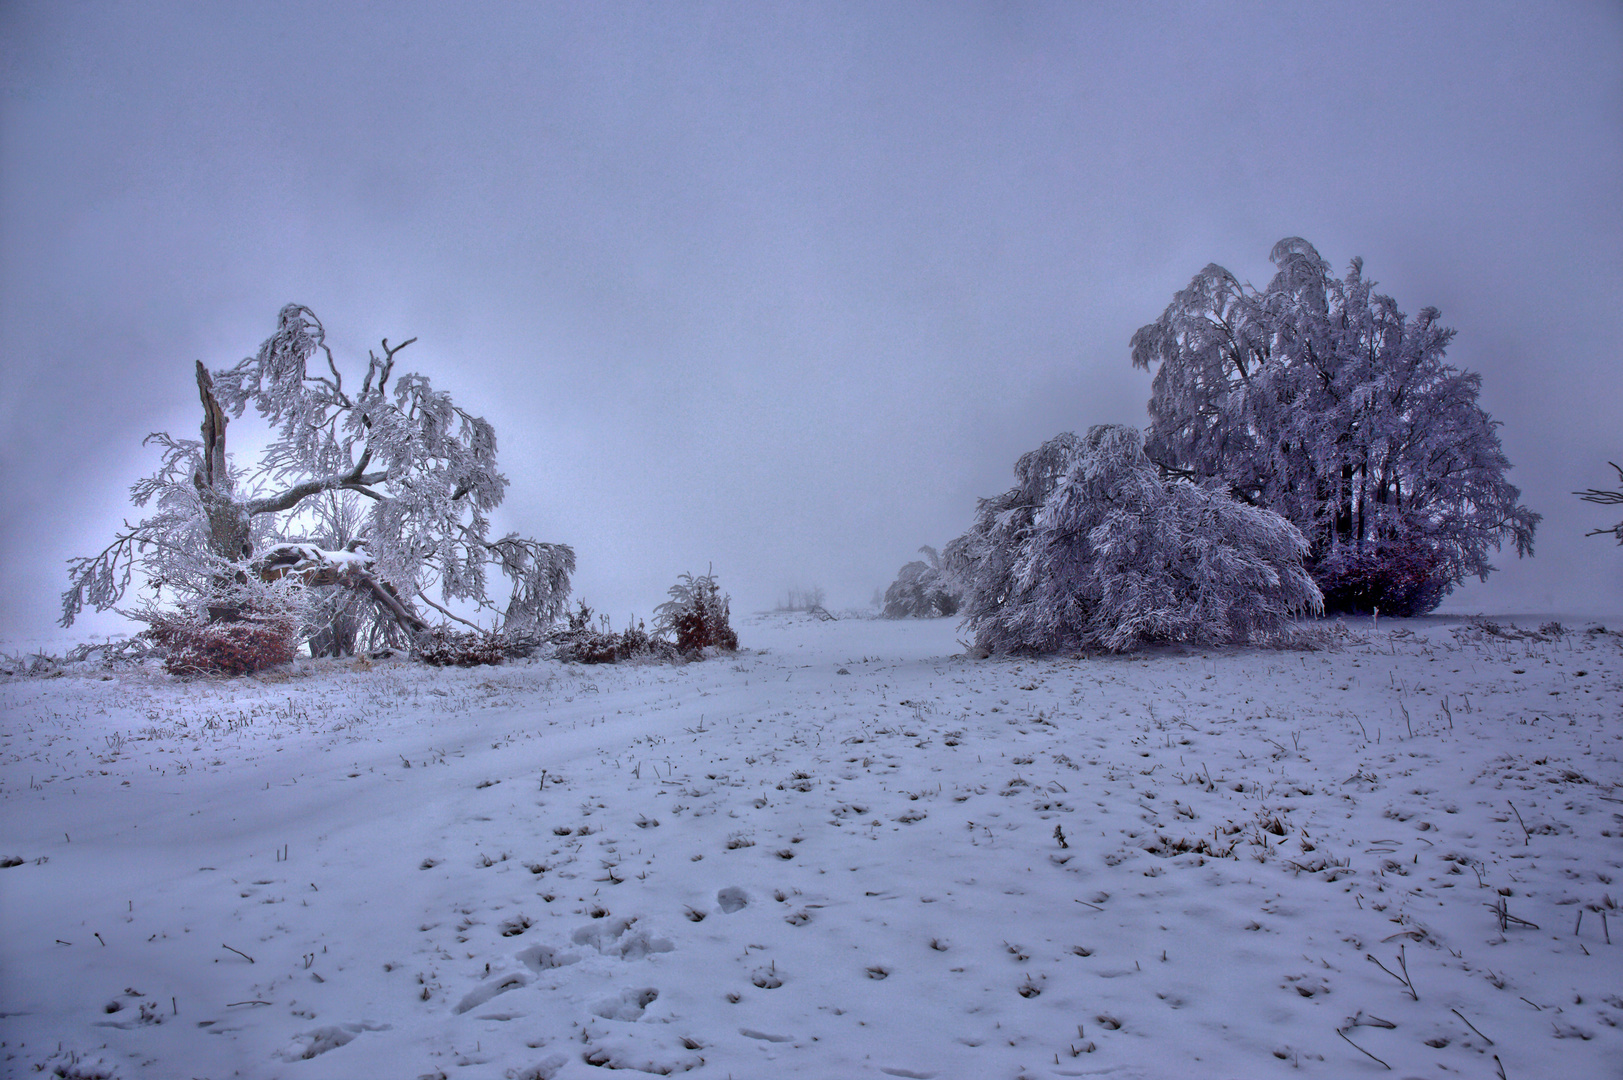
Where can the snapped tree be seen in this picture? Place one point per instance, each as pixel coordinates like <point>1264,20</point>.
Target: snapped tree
<point>378,494</point>
<point>1318,399</point>
<point>1093,549</point>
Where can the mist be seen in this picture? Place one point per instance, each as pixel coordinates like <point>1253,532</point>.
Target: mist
<point>782,290</point>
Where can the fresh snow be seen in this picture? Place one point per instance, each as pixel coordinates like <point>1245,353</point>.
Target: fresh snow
<point>835,854</point>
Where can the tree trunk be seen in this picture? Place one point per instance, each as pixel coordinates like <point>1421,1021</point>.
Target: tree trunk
<point>229,532</point>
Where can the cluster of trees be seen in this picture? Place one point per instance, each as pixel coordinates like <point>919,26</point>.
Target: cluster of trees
<point>812,599</point>
<point>1317,398</point>
<point>373,498</point>
<point>1309,449</point>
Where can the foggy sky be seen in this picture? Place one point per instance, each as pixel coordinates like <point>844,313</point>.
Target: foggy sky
<point>782,288</point>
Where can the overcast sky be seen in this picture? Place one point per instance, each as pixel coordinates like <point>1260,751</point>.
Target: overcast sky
<point>783,287</point>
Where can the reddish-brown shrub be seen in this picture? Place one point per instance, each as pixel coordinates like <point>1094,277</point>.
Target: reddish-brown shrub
<point>446,648</point>
<point>252,642</point>
<point>704,626</point>
<point>698,614</point>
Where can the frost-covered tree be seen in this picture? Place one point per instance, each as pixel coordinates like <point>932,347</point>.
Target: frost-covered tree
<point>1607,498</point>
<point>697,614</point>
<point>395,477</point>
<point>1317,398</point>
<point>920,591</point>
<point>1093,549</point>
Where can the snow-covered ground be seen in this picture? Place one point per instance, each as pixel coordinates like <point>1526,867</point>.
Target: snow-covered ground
<point>848,851</point>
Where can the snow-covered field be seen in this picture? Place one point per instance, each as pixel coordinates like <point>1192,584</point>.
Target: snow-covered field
<point>848,851</point>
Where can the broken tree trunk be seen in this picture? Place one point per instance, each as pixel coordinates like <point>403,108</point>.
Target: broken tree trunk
<point>229,531</point>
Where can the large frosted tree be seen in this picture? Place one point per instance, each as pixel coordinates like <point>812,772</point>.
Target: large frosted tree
<point>1093,549</point>
<point>381,490</point>
<point>1319,399</point>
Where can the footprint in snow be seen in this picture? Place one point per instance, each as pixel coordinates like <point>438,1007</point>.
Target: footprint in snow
<point>1305,985</point>
<point>628,1006</point>
<point>660,1059</point>
<point>615,937</point>
<point>481,994</point>
<point>309,1044</point>
<point>732,899</point>
<point>516,925</point>
<point>541,1070</point>
<point>539,958</point>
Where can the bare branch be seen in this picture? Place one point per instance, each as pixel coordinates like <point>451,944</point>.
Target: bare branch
<point>447,612</point>
<point>1602,496</point>
<point>1606,498</point>
<point>296,494</point>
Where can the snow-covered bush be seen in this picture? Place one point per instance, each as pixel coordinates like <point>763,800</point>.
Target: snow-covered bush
<point>1091,549</point>
<point>920,591</point>
<point>263,633</point>
<point>443,647</point>
<point>697,614</point>
<point>1317,398</point>
<point>582,642</point>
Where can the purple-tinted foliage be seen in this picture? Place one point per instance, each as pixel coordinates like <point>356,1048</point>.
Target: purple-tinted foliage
<point>1317,398</point>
